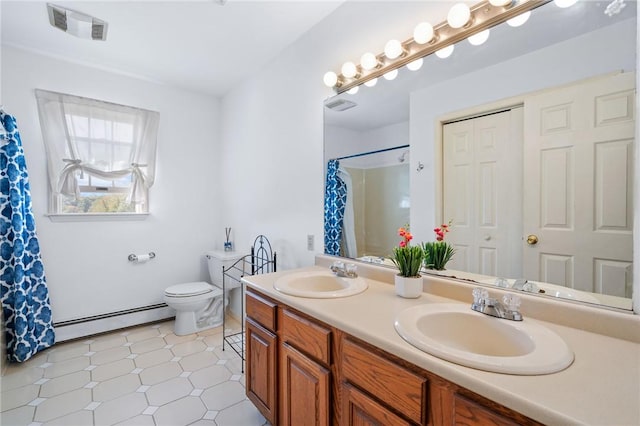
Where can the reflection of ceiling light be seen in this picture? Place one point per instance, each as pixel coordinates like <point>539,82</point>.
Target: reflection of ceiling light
<point>371,83</point>
<point>368,61</point>
<point>415,65</point>
<point>478,39</point>
<point>565,3</point>
<point>519,20</point>
<point>445,52</point>
<point>353,90</point>
<point>614,8</point>
<point>391,75</point>
<point>76,23</point>
<point>459,15</point>
<point>499,3</point>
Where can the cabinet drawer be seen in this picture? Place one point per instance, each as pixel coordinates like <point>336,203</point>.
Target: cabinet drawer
<point>400,389</point>
<point>359,409</point>
<point>467,412</point>
<point>306,336</point>
<point>261,310</point>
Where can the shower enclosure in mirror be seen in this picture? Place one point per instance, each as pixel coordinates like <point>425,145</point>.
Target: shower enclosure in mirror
<point>561,169</point>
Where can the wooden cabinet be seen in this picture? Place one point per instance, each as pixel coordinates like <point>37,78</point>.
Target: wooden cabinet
<point>261,357</point>
<point>301,372</point>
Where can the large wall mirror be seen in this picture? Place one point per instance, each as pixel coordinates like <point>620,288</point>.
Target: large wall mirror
<point>529,136</point>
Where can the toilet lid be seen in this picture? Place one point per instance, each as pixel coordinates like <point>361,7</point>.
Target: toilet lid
<point>189,289</point>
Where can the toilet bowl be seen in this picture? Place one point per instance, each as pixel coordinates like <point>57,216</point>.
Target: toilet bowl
<point>198,305</point>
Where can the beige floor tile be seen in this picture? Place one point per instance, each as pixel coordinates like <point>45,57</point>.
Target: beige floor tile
<point>106,342</point>
<point>110,355</point>
<point>244,413</point>
<point>211,331</point>
<point>65,383</point>
<point>65,367</point>
<point>149,359</point>
<point>213,340</point>
<point>223,395</point>
<point>235,365</point>
<point>62,405</point>
<point>168,391</point>
<point>181,412</point>
<point>116,387</point>
<point>227,353</point>
<point>78,418</point>
<point>195,362</point>
<point>210,376</point>
<point>141,420</point>
<point>143,334</point>
<point>18,416</point>
<point>148,345</point>
<point>67,351</point>
<point>120,409</point>
<point>160,373</point>
<point>204,423</point>
<point>188,348</point>
<point>172,339</point>
<point>21,376</point>
<point>111,370</point>
<point>17,397</point>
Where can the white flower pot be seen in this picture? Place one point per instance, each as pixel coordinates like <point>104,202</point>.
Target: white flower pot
<point>408,287</point>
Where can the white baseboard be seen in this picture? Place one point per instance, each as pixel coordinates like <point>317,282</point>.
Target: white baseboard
<point>84,327</point>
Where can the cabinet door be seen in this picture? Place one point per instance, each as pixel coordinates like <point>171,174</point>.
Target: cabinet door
<point>470,413</point>
<point>360,410</point>
<point>261,379</point>
<point>304,390</point>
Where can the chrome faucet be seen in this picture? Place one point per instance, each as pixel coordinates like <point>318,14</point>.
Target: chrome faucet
<point>508,309</point>
<point>344,271</point>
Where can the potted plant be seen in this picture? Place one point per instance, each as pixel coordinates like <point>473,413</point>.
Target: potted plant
<point>438,253</point>
<point>408,259</point>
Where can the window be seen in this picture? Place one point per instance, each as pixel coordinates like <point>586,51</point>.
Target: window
<point>100,156</point>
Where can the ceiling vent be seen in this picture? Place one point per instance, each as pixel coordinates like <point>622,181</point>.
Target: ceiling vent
<point>77,23</point>
<point>340,105</point>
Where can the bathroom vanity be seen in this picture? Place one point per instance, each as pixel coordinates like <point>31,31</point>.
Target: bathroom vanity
<point>340,361</point>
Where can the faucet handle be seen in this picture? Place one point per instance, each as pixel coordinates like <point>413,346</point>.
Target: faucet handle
<point>479,295</point>
<point>337,265</point>
<point>512,302</point>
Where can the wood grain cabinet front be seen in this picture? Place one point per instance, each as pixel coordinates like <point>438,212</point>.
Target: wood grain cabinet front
<point>261,362</point>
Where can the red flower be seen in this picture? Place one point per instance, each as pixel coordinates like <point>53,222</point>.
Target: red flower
<point>403,244</point>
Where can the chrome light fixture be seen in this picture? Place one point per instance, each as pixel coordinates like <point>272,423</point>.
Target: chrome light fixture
<point>463,22</point>
<point>77,23</point>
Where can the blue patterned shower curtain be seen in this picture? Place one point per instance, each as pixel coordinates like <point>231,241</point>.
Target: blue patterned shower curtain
<point>335,198</point>
<point>24,296</point>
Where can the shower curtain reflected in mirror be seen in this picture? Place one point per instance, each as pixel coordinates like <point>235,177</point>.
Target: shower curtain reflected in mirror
<point>24,293</point>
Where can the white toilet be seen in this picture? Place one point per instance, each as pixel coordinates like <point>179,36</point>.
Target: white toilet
<point>199,305</point>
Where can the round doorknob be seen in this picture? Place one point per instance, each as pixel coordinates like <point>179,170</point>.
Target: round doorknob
<point>532,239</point>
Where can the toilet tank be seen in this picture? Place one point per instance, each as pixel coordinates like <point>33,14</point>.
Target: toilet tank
<point>216,260</point>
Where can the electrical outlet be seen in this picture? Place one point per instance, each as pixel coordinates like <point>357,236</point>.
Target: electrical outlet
<point>310,242</point>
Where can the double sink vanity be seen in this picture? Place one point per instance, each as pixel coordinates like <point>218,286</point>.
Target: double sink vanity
<point>323,349</point>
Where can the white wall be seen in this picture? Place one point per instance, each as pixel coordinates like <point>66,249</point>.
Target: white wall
<point>572,60</point>
<point>86,262</point>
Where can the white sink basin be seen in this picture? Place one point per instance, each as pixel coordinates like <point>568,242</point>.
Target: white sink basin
<point>319,285</point>
<point>456,333</point>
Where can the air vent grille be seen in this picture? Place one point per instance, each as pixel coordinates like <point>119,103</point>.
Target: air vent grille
<point>339,104</point>
<point>59,19</point>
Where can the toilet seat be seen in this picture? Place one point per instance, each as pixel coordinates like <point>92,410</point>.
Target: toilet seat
<point>189,289</point>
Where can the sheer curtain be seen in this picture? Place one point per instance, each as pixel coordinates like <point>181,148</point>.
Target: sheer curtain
<point>104,140</point>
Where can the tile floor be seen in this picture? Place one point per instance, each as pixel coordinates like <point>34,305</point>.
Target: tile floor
<point>139,376</point>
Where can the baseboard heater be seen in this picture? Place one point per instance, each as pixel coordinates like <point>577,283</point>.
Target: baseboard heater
<point>97,324</point>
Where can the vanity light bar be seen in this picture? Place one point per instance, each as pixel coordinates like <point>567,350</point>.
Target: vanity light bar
<point>483,16</point>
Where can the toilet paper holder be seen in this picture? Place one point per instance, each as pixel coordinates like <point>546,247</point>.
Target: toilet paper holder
<point>134,257</point>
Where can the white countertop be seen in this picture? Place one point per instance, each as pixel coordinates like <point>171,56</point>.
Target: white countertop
<point>601,387</point>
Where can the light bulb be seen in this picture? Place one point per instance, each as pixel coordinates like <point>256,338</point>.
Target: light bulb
<point>415,65</point>
<point>349,69</point>
<point>459,15</point>
<point>519,20</point>
<point>565,3</point>
<point>368,61</point>
<point>393,49</point>
<point>423,33</point>
<point>478,39</point>
<point>371,83</point>
<point>330,79</point>
<point>391,75</point>
<point>353,90</point>
<point>445,52</point>
<point>499,3</point>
